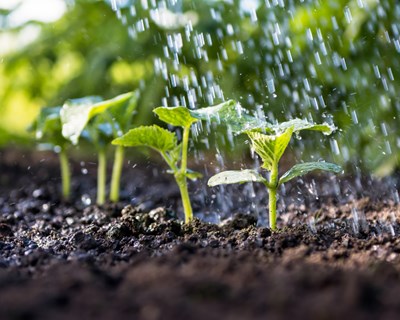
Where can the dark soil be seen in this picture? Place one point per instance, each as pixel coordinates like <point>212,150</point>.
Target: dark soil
<point>337,254</point>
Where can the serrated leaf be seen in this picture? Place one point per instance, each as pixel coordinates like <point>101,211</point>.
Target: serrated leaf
<point>176,116</point>
<point>193,175</point>
<point>153,136</point>
<point>303,168</point>
<point>76,113</point>
<point>231,114</point>
<point>270,147</point>
<point>301,124</point>
<point>235,176</point>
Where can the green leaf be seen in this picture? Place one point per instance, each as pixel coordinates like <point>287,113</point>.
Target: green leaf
<point>231,114</point>
<point>176,116</point>
<point>76,113</point>
<point>122,98</point>
<point>303,168</point>
<point>270,147</point>
<point>47,122</point>
<point>151,136</point>
<point>47,126</point>
<point>301,124</point>
<point>123,109</point>
<point>193,175</point>
<point>235,176</point>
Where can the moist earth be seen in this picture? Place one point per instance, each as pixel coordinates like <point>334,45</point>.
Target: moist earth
<point>336,254</point>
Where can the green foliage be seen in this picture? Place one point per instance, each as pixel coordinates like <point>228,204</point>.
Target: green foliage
<point>101,120</point>
<point>299,125</point>
<point>76,114</point>
<point>166,143</point>
<point>176,116</point>
<point>336,58</point>
<point>47,129</point>
<point>231,114</point>
<point>153,136</point>
<point>236,176</point>
<point>304,168</point>
<point>270,148</point>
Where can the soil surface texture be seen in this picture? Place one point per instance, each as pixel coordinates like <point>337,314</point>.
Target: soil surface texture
<point>335,256</point>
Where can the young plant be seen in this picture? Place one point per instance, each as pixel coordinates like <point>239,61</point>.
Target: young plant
<point>47,128</point>
<point>166,143</point>
<point>99,121</point>
<point>270,146</point>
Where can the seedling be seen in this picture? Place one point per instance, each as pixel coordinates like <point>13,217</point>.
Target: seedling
<point>99,121</point>
<point>47,128</point>
<point>270,146</point>
<point>166,143</point>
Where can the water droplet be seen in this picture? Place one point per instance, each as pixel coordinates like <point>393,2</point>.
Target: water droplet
<point>85,198</point>
<point>271,85</point>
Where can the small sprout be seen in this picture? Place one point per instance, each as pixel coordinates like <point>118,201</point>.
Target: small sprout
<point>166,143</point>
<point>270,147</point>
<point>99,121</point>
<point>47,129</point>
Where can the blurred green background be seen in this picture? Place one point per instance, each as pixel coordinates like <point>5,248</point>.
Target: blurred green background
<point>333,61</point>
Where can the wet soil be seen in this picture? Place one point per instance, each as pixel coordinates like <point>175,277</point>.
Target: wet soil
<point>333,257</point>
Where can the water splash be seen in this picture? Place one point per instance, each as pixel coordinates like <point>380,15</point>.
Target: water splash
<point>282,61</point>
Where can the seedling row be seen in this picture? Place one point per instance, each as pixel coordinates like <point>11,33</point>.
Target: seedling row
<point>103,123</point>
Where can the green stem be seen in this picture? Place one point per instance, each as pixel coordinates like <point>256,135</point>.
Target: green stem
<point>65,174</point>
<point>187,207</point>
<point>182,180</point>
<point>101,176</point>
<point>180,174</point>
<point>116,173</point>
<point>185,147</point>
<point>272,190</point>
<point>272,208</point>
<point>169,161</point>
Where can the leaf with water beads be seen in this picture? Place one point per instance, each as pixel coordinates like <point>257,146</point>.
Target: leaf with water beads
<point>304,168</point>
<point>299,125</point>
<point>153,136</point>
<point>231,114</point>
<point>176,116</point>
<point>235,176</point>
<point>270,147</point>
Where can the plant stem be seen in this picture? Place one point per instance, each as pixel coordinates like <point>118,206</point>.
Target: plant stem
<point>187,207</point>
<point>101,176</point>
<point>185,146</point>
<point>272,208</point>
<point>272,190</point>
<point>116,173</point>
<point>182,180</point>
<point>65,174</point>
